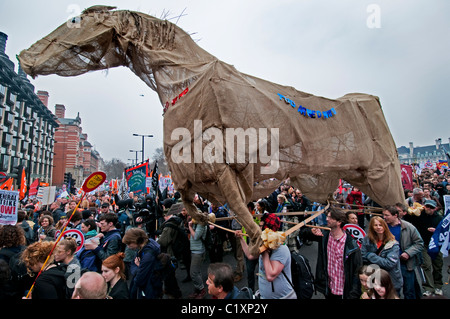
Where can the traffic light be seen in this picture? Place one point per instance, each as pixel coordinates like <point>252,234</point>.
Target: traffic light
<point>16,171</point>
<point>67,178</point>
<point>73,189</point>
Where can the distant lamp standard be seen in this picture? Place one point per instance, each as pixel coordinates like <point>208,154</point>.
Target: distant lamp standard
<point>143,136</point>
<point>136,155</point>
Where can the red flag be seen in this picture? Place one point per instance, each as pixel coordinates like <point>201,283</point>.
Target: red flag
<point>407,178</point>
<point>7,185</point>
<point>23,185</point>
<point>34,187</point>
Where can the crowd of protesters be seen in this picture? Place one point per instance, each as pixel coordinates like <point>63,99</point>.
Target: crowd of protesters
<point>132,247</point>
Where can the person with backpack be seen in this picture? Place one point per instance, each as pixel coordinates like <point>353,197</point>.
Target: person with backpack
<point>275,276</point>
<point>146,283</point>
<point>174,240</point>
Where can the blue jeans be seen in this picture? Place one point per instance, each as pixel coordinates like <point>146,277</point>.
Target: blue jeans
<point>409,283</point>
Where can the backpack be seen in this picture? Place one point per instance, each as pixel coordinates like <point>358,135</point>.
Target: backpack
<point>245,293</point>
<point>181,241</point>
<point>88,260</point>
<point>166,266</point>
<point>302,277</point>
<point>208,241</point>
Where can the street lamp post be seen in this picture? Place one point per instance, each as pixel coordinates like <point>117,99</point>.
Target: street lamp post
<point>136,155</point>
<point>143,136</point>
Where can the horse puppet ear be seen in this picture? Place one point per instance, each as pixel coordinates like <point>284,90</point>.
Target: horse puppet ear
<point>98,8</point>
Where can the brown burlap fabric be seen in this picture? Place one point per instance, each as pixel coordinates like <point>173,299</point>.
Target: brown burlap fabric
<point>313,140</point>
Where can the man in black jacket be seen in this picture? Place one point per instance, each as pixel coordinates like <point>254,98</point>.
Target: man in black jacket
<point>339,258</point>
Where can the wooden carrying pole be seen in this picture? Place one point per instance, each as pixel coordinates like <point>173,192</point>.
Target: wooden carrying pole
<point>299,225</point>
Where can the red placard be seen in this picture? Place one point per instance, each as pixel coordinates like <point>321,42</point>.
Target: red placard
<point>93,181</point>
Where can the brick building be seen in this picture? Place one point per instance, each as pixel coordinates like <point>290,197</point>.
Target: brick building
<point>73,153</point>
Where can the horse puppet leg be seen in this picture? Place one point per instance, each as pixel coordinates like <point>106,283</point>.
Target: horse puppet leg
<point>188,202</point>
<point>232,192</point>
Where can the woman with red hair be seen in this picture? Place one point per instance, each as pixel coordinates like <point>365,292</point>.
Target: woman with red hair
<point>113,270</point>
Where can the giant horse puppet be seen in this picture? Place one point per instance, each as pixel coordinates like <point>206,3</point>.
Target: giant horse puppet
<point>286,133</point>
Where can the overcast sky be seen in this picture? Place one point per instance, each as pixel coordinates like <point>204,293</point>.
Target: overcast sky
<point>398,50</point>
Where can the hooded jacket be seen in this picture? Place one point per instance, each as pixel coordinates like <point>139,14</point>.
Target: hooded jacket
<point>146,284</point>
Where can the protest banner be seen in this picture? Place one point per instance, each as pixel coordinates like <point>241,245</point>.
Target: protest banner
<point>46,195</point>
<point>440,241</point>
<point>9,205</point>
<point>137,177</point>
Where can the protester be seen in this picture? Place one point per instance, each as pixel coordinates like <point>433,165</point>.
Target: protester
<point>250,264</point>
<point>355,201</point>
<point>379,247</point>
<point>145,283</point>
<point>219,235</point>
<point>411,245</point>
<point>275,275</point>
<point>46,230</point>
<point>113,270</point>
<point>221,282</point>
<point>339,258</point>
<point>91,285</point>
<point>175,242</point>
<point>75,219</point>
<point>65,254</point>
<point>426,224</point>
<point>22,221</point>
<point>88,228</point>
<point>268,220</point>
<point>110,239</point>
<point>351,218</point>
<point>402,210</point>
<point>301,201</point>
<point>364,274</point>
<point>57,212</point>
<point>51,283</point>
<point>417,197</point>
<point>198,233</point>
<point>13,242</point>
<point>382,286</point>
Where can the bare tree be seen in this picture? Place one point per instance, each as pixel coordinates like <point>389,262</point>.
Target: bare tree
<point>159,156</point>
<point>114,168</point>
